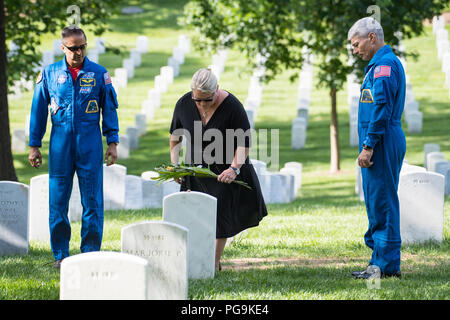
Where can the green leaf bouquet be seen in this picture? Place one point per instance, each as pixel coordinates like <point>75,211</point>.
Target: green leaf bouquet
<point>176,171</point>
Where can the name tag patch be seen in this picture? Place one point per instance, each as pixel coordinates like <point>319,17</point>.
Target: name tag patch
<point>87,82</point>
<point>366,96</point>
<point>92,106</point>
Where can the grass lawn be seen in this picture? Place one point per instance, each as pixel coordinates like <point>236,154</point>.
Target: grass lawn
<point>302,250</point>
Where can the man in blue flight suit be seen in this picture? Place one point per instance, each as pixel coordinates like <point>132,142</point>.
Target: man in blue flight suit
<point>77,91</point>
<point>382,145</point>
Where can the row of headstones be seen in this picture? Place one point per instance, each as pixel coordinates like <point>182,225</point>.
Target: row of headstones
<point>421,195</point>
<point>300,123</point>
<point>443,46</point>
<point>412,115</point>
<point>281,186</point>
<point>157,257</point>
<point>255,90</point>
<point>129,141</point>
<point>170,252</point>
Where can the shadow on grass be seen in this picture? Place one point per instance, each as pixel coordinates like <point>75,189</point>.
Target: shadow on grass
<point>327,280</point>
<point>156,14</point>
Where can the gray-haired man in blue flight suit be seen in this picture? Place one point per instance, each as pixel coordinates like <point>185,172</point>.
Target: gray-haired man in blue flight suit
<point>77,92</point>
<point>382,144</point>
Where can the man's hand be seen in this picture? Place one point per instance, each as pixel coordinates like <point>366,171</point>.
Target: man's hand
<point>364,158</point>
<point>227,176</point>
<point>111,152</point>
<point>35,157</point>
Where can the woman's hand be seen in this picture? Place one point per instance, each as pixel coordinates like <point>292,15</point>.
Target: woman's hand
<point>227,176</point>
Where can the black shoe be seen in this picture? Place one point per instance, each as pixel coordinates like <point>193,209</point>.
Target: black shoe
<point>370,273</point>
<point>358,273</point>
<point>389,275</point>
<point>57,264</point>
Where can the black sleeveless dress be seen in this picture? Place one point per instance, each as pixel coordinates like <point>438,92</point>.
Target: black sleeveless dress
<point>238,208</point>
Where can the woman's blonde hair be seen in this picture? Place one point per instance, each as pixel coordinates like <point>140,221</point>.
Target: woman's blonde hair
<point>204,80</point>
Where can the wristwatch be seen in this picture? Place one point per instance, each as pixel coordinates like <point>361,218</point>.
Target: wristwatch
<point>366,147</point>
<point>236,170</point>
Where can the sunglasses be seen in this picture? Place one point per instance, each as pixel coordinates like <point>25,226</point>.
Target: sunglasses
<point>76,48</point>
<point>205,100</point>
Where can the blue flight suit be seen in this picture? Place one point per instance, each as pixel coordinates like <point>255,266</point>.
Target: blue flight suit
<point>75,145</point>
<point>379,127</point>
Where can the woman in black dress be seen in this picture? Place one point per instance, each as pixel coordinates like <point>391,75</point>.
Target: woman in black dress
<point>211,112</point>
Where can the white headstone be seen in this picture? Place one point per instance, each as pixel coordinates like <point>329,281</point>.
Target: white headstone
<point>172,62</point>
<point>303,113</point>
<point>170,187</point>
<point>123,149</point>
<point>19,140</point>
<point>298,138</point>
<point>133,192</point>
<point>415,122</point>
<point>100,45</point>
<point>197,212</point>
<point>14,218</point>
<point>429,147</point>
<point>184,42</point>
<point>167,74</point>
<point>443,167</point>
<point>165,247</point>
<point>178,55</point>
<point>121,77</point>
<point>421,196</point>
<point>105,276</point>
<point>135,55</point>
<point>128,64</point>
<point>160,84</point>
<point>432,158</point>
<point>296,171</point>
<point>39,208</point>
<point>408,168</point>
<point>114,186</point>
<point>152,190</point>
<point>93,55</point>
<point>280,185</point>
<point>133,137</point>
<point>142,44</point>
<point>141,123</point>
<point>155,96</point>
<point>148,108</point>
<point>265,183</point>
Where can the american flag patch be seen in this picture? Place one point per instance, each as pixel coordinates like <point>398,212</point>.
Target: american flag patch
<point>107,78</point>
<point>382,71</point>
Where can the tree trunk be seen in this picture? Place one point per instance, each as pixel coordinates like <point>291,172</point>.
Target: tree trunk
<point>7,171</point>
<point>334,135</point>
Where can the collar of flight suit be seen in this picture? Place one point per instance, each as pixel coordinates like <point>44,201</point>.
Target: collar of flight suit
<point>378,55</point>
<point>86,64</point>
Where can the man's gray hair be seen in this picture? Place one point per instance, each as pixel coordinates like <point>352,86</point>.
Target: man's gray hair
<point>364,26</point>
<point>204,80</point>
